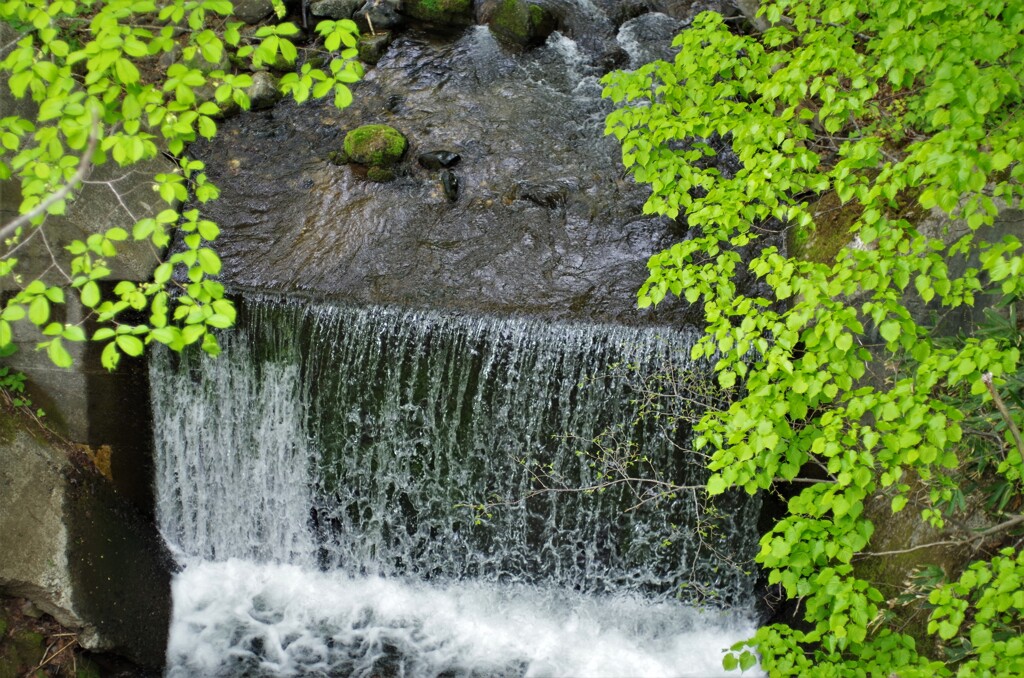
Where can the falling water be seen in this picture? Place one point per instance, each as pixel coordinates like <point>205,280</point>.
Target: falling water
<point>376,492</point>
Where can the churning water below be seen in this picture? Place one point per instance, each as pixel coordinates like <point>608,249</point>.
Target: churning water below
<point>318,482</point>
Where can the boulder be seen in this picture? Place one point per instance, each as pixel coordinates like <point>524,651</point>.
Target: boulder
<point>523,22</point>
<point>375,145</point>
<point>253,11</point>
<point>441,12</point>
<point>380,14</point>
<point>335,9</point>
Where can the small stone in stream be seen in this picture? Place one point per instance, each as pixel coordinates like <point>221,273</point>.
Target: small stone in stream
<point>439,159</point>
<point>450,184</point>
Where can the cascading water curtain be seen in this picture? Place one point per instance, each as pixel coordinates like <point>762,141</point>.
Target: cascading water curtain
<point>410,476</point>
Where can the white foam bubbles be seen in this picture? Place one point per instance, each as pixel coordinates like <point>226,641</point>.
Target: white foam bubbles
<point>239,618</point>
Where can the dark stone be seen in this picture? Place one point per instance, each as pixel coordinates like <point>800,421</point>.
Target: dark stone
<point>380,14</point>
<point>438,159</point>
<point>334,9</point>
<point>450,184</point>
<point>549,195</point>
<point>253,11</point>
<point>614,59</point>
<point>373,47</point>
<point>523,22</point>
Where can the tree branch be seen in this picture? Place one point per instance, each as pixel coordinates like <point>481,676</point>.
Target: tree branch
<point>1014,431</point>
<point>83,169</point>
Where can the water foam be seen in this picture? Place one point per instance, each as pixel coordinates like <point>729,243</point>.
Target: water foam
<point>238,618</point>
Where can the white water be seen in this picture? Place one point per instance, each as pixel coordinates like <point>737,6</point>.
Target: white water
<point>282,620</point>
<point>309,479</point>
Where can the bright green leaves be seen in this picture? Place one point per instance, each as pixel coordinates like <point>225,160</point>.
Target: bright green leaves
<point>992,593</point>
<point>891,107</point>
<point>343,71</point>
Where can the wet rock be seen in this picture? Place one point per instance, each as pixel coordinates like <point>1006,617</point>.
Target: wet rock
<point>441,12</point>
<point>380,14</point>
<point>372,47</point>
<point>621,11</point>
<point>649,37</point>
<point>549,195</point>
<point>523,22</point>
<point>335,9</point>
<point>253,11</point>
<point>450,184</point>
<point>611,60</point>
<point>438,159</point>
<point>263,92</point>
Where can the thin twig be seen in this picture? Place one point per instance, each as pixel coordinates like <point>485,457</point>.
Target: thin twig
<point>1014,431</point>
<point>83,169</point>
<point>46,660</point>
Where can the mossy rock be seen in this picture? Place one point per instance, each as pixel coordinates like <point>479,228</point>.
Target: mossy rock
<point>375,145</point>
<point>442,12</point>
<point>523,22</point>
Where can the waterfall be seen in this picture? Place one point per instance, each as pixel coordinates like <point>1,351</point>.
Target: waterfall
<point>372,491</point>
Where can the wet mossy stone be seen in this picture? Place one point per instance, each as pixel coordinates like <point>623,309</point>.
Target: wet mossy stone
<point>441,12</point>
<point>375,145</point>
<point>380,174</point>
<point>523,22</point>
<point>373,47</point>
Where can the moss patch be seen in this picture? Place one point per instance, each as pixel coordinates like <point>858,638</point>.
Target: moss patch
<point>833,220</point>
<point>375,145</point>
<point>444,12</point>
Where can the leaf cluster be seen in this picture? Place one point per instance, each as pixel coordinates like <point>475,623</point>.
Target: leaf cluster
<point>119,82</point>
<point>896,108</point>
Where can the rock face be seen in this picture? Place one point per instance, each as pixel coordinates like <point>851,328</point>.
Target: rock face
<point>79,552</point>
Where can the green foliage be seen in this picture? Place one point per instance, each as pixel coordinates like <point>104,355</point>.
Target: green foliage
<point>119,81</point>
<point>894,107</point>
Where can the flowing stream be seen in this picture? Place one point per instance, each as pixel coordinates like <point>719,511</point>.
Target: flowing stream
<point>376,492</point>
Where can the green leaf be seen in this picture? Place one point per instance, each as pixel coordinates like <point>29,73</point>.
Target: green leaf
<point>130,345</point>
<point>58,354</point>
<point>890,330</point>
<point>39,310</point>
<point>716,485</point>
